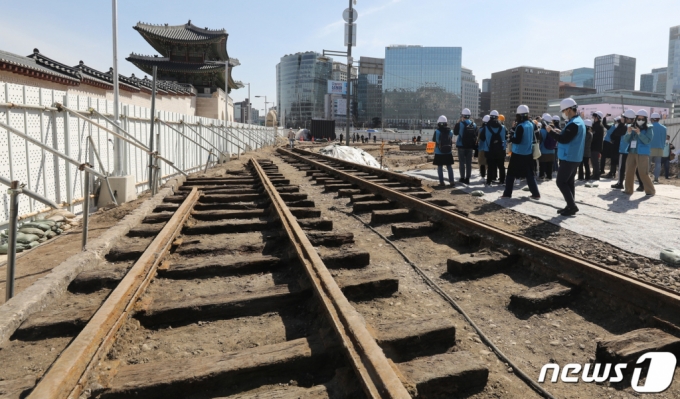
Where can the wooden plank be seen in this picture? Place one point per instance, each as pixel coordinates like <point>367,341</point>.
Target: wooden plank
<point>146,230</point>
<point>445,375</point>
<point>220,266</point>
<point>628,347</point>
<point>330,239</point>
<point>227,227</point>
<point>61,323</point>
<point>229,214</point>
<point>406,339</point>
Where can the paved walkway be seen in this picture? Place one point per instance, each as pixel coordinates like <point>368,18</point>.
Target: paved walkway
<point>638,223</point>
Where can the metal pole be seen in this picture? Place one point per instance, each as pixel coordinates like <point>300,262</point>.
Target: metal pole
<point>86,208</point>
<point>226,90</point>
<point>153,123</point>
<point>118,150</point>
<point>13,192</point>
<point>349,66</point>
<point>250,107</point>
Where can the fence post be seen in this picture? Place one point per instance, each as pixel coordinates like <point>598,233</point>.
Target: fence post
<point>86,208</point>
<point>13,192</point>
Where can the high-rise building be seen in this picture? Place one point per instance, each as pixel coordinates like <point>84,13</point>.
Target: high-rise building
<point>469,91</point>
<point>420,84</point>
<point>580,77</point>
<point>369,91</point>
<point>570,90</point>
<point>241,110</point>
<point>673,79</point>
<point>340,72</point>
<point>486,85</point>
<point>654,82</point>
<point>614,72</point>
<point>523,85</point>
<point>301,83</point>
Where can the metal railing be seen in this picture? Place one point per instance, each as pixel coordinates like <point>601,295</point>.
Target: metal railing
<point>47,135</point>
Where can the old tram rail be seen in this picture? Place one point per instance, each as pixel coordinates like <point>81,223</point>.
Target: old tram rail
<point>218,208</point>
<point>640,295</point>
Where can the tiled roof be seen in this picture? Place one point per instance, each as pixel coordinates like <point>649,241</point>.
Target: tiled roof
<point>163,86</point>
<point>38,63</point>
<point>94,75</point>
<point>165,64</point>
<point>184,33</point>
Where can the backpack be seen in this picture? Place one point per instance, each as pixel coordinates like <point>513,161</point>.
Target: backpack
<point>549,142</point>
<point>445,142</point>
<point>496,141</point>
<point>469,136</point>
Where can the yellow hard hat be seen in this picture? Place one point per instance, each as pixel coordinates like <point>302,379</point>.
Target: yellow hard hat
<point>501,118</point>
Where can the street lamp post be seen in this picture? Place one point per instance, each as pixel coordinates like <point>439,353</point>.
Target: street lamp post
<point>265,107</point>
<point>118,150</point>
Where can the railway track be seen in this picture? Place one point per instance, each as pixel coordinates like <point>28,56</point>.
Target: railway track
<point>310,277</point>
<point>229,265</point>
<point>616,317</point>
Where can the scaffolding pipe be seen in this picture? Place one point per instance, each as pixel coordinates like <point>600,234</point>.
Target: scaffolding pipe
<point>202,138</point>
<point>184,135</point>
<point>120,129</point>
<point>151,130</point>
<point>86,209</point>
<point>13,192</point>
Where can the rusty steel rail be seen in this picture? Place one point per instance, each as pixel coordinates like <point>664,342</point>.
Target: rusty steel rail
<point>67,375</point>
<point>375,372</point>
<point>364,168</point>
<point>661,303</point>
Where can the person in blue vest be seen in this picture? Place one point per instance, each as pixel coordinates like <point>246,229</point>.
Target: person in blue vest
<point>608,150</point>
<point>443,150</point>
<point>638,138</point>
<point>466,131</point>
<point>493,137</point>
<point>545,162</point>
<point>617,142</point>
<point>482,148</point>
<point>521,160</point>
<point>571,144</point>
<point>657,144</point>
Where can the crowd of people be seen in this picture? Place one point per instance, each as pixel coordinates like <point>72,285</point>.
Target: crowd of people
<point>549,148</point>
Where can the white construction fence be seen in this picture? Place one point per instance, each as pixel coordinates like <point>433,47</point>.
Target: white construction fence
<point>186,141</point>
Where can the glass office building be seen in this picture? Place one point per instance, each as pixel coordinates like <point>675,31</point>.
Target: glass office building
<point>420,84</point>
<point>614,72</point>
<point>654,82</point>
<point>369,91</point>
<point>301,83</point>
<point>580,77</point>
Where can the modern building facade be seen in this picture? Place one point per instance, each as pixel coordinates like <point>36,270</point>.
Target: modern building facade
<point>241,110</point>
<point>420,84</point>
<point>673,77</point>
<point>301,84</point>
<point>369,91</point>
<point>570,90</point>
<point>340,72</point>
<point>523,85</point>
<point>486,85</point>
<point>469,91</point>
<point>654,82</point>
<point>614,72</point>
<point>485,98</point>
<point>580,77</point>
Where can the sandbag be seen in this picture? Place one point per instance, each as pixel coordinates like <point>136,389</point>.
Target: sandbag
<point>50,234</point>
<point>671,256</point>
<point>37,225</point>
<point>47,222</point>
<point>592,185</point>
<point>477,193</point>
<point>57,218</point>
<point>33,244</point>
<point>26,238</point>
<point>32,230</point>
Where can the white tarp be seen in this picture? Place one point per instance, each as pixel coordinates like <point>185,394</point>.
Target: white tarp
<point>636,223</point>
<point>351,154</point>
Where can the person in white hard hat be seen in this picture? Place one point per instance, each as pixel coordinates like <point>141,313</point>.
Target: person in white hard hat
<point>638,138</point>
<point>493,136</point>
<point>628,119</point>
<point>548,145</point>
<point>658,143</point>
<point>596,147</point>
<point>522,158</point>
<point>570,153</point>
<point>466,131</point>
<point>585,164</point>
<point>443,151</point>
<point>482,147</point>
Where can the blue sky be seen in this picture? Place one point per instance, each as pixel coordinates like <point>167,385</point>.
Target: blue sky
<point>494,35</point>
